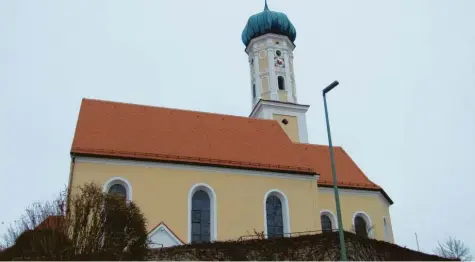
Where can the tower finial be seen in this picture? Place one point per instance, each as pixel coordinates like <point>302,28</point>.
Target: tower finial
<point>265,6</point>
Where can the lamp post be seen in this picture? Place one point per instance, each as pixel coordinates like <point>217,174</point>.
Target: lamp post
<point>335,187</point>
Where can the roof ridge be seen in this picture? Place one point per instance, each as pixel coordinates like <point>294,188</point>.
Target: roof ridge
<point>178,109</point>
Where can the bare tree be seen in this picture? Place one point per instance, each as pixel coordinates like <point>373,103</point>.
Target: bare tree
<point>34,215</point>
<point>95,226</point>
<point>453,249</point>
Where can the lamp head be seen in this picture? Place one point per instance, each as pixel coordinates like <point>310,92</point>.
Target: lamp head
<point>330,87</point>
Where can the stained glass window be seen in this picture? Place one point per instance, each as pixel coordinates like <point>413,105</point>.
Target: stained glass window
<point>275,221</point>
<point>360,227</point>
<point>200,217</point>
<point>118,189</point>
<point>326,223</point>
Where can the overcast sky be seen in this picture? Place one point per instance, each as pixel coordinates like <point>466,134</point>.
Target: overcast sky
<point>404,110</point>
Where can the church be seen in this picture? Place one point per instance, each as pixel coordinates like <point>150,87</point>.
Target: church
<point>200,176</point>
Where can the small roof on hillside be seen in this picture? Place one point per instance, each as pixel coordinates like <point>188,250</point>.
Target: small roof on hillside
<point>51,222</point>
<point>112,129</point>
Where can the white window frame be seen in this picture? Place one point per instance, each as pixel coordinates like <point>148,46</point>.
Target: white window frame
<point>332,217</point>
<point>285,210</point>
<point>120,181</point>
<point>367,219</point>
<point>213,212</point>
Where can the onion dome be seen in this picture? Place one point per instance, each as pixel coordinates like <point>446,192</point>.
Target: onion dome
<point>266,22</point>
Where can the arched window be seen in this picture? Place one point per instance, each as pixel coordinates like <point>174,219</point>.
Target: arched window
<point>119,186</point>
<point>118,189</point>
<point>254,90</point>
<point>275,220</point>
<point>326,223</point>
<point>362,224</point>
<point>202,214</point>
<point>200,217</point>
<point>276,214</point>
<point>281,82</point>
<point>361,229</point>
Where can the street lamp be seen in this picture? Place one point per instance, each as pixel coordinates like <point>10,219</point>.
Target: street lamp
<point>335,187</point>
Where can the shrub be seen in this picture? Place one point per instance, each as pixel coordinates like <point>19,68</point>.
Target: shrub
<point>315,247</point>
<point>96,226</point>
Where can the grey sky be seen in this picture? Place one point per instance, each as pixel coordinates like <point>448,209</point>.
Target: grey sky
<point>404,109</point>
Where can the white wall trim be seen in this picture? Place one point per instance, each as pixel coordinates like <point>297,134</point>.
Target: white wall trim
<point>257,79</point>
<point>367,219</point>
<point>302,122</point>
<point>387,235</point>
<point>272,75</point>
<point>292,76</point>
<point>121,181</point>
<point>285,210</point>
<point>356,192</point>
<point>163,227</point>
<point>288,80</point>
<point>296,108</point>
<point>213,206</point>
<point>332,217</point>
<point>207,169</point>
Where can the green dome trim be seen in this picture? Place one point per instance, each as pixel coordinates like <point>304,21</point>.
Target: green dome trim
<point>267,22</point>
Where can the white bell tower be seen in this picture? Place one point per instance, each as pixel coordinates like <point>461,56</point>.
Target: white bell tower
<point>272,71</point>
<point>269,38</point>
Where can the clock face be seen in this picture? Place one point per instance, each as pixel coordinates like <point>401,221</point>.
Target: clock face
<point>279,62</point>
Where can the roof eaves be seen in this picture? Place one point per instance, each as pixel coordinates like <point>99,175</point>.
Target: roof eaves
<point>288,104</point>
<point>356,186</point>
<point>191,160</point>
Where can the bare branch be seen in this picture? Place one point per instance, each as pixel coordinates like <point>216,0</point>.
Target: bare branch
<point>453,249</point>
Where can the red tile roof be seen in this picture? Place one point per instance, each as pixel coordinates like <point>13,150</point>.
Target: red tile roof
<point>123,130</point>
<point>51,222</point>
<point>348,173</point>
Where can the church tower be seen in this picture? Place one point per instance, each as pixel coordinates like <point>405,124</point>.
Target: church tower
<point>269,39</point>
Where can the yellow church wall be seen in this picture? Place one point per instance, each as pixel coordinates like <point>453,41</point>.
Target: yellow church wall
<point>283,96</point>
<point>265,85</point>
<point>263,61</point>
<point>372,204</point>
<point>162,195</point>
<point>291,129</point>
<point>266,96</point>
